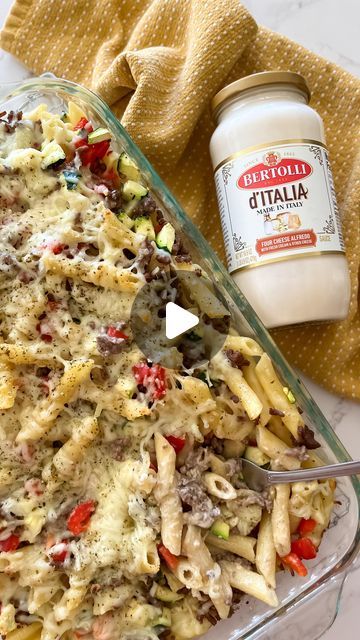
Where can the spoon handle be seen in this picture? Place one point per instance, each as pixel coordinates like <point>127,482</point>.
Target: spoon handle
<point>318,473</point>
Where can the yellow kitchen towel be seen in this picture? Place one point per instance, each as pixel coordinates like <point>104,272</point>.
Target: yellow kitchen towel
<point>158,63</point>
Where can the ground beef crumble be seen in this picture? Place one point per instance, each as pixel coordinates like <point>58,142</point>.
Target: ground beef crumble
<point>306,437</point>
<point>236,359</point>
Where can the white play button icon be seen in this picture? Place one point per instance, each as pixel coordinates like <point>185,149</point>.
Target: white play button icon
<point>178,320</point>
<point>169,326</point>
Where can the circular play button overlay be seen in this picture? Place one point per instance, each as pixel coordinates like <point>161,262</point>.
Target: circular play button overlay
<point>179,320</point>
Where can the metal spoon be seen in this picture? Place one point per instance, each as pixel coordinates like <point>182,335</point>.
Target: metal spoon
<point>258,478</point>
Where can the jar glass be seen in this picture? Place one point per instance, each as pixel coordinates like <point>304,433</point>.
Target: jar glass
<point>277,201</point>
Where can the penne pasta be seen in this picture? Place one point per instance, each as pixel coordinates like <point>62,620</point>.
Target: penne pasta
<point>29,632</point>
<point>118,232</point>
<point>83,434</point>
<point>24,354</point>
<point>165,491</point>
<point>217,465</point>
<point>247,346</point>
<point>219,486</point>
<point>280,520</point>
<point>276,449</point>
<point>214,582</point>
<point>103,275</point>
<point>189,574</point>
<point>202,294</point>
<point>252,380</point>
<point>8,386</point>
<point>242,546</point>
<point>37,424</point>
<point>277,427</point>
<point>199,393</point>
<point>237,384</point>
<point>249,582</point>
<point>275,394</point>
<point>265,551</point>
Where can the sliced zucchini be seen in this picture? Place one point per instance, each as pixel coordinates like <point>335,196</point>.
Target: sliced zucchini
<point>125,219</point>
<point>289,394</point>
<point>255,455</point>
<point>164,620</point>
<point>166,237</point>
<point>130,206</point>
<point>53,155</point>
<point>75,113</point>
<point>128,167</point>
<point>134,190</point>
<point>166,595</point>
<point>220,529</point>
<point>99,135</point>
<point>159,628</point>
<point>71,178</point>
<point>145,226</point>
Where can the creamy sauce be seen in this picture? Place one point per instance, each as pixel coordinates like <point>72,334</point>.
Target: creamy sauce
<point>278,206</point>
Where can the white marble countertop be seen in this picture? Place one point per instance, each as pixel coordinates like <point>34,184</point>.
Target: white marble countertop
<point>330,28</point>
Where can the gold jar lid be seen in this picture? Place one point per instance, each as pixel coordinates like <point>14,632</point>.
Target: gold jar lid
<point>258,80</point>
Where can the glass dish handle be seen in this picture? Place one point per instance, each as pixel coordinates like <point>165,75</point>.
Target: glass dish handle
<point>309,619</point>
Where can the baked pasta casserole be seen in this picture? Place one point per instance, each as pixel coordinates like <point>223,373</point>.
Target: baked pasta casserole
<point>123,511</point>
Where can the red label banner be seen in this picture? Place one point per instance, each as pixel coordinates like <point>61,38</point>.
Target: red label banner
<point>261,175</point>
<point>282,241</point>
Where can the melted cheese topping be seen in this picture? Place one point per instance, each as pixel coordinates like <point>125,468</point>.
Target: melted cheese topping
<point>79,404</point>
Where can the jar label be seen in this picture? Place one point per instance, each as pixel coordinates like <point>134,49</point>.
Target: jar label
<point>277,202</point>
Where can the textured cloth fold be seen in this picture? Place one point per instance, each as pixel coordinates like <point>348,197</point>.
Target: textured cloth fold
<point>158,63</point>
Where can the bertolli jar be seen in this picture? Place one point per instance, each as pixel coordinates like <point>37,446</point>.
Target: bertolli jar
<point>277,200</point>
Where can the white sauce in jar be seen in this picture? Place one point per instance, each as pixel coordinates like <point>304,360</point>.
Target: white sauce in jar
<point>277,201</point>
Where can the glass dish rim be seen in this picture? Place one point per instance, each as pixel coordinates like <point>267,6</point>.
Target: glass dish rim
<point>47,82</point>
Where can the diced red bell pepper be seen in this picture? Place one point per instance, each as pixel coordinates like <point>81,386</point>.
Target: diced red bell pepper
<point>10,544</point>
<point>60,557</point>
<point>46,337</point>
<point>306,526</point>
<point>81,124</point>
<point>42,329</point>
<point>58,248</point>
<point>79,518</point>
<point>153,378</point>
<point>80,142</point>
<point>94,152</point>
<point>53,305</point>
<point>304,548</point>
<point>113,332</point>
<point>171,560</point>
<point>293,561</point>
<point>176,443</point>
<point>50,543</point>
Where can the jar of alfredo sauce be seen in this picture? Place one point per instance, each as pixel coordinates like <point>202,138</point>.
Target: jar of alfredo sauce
<point>277,201</point>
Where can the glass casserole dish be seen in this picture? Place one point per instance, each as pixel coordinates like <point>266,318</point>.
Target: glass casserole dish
<point>324,583</point>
